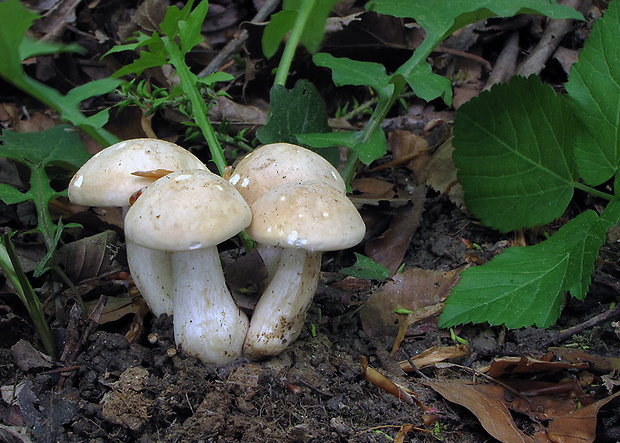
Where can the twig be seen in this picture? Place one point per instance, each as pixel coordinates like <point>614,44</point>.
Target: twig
<point>506,62</point>
<point>568,333</point>
<point>550,40</point>
<point>233,45</point>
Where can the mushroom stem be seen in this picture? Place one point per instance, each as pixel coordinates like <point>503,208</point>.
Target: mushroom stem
<point>152,273</point>
<point>207,322</point>
<point>281,311</point>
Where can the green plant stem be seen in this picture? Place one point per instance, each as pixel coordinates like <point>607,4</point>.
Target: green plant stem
<point>350,167</point>
<point>199,108</point>
<point>293,40</point>
<point>594,192</point>
<point>53,99</point>
<point>14,272</point>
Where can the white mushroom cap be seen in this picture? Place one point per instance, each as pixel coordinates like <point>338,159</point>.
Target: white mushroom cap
<point>278,163</point>
<point>187,210</point>
<point>106,180</point>
<point>306,214</point>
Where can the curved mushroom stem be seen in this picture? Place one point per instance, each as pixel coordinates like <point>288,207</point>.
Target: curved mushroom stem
<point>207,322</point>
<point>281,311</point>
<point>152,273</point>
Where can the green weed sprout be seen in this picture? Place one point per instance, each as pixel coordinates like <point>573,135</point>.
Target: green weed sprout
<point>14,273</point>
<point>180,34</point>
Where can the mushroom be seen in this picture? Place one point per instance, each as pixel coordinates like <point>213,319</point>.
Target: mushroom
<point>190,213</point>
<point>106,180</point>
<point>303,219</point>
<point>276,164</point>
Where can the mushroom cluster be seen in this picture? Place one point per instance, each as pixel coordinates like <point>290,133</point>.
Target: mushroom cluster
<point>289,199</point>
<point>299,209</point>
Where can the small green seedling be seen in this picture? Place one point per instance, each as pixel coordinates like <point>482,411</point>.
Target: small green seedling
<point>403,311</point>
<point>180,33</point>
<point>60,147</point>
<point>13,271</point>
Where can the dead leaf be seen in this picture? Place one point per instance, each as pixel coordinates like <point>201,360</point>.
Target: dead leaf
<point>440,174</point>
<point>368,187</point>
<point>237,114</point>
<point>90,257</point>
<point>598,363</point>
<point>412,290</point>
<point>434,355</point>
<point>389,249</point>
<point>527,365</point>
<point>579,426</point>
<point>381,381</point>
<point>492,413</point>
<point>538,407</point>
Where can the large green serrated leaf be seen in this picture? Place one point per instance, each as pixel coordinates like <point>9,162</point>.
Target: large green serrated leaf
<point>513,151</point>
<point>300,110</point>
<point>526,285</point>
<point>594,91</point>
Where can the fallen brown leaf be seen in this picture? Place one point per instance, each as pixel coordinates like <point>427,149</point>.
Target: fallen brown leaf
<point>598,363</point>
<point>413,289</point>
<point>389,248</point>
<point>440,174</point>
<point>579,426</point>
<point>493,415</point>
<point>434,355</point>
<point>527,365</point>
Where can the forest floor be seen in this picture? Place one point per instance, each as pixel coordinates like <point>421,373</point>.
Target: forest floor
<point>356,373</point>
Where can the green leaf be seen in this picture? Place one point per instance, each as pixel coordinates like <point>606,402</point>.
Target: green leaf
<point>190,29</point>
<point>15,20</point>
<point>300,110</point>
<point>367,151</point>
<point>57,146</point>
<point>524,286</point>
<point>366,268</point>
<point>146,60</point>
<point>32,48</point>
<point>312,36</point>
<point>513,151</point>
<point>355,73</point>
<point>279,25</point>
<point>594,93</point>
<point>441,19</point>
<point>282,22</point>
<point>428,85</point>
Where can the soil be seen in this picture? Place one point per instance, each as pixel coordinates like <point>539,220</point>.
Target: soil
<point>146,390</point>
<point>123,380</point>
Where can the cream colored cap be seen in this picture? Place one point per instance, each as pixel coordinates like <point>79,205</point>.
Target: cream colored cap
<point>187,210</point>
<point>306,214</point>
<point>278,163</point>
<point>106,180</point>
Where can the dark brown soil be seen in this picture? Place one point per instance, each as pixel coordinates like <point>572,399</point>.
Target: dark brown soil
<point>314,391</point>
